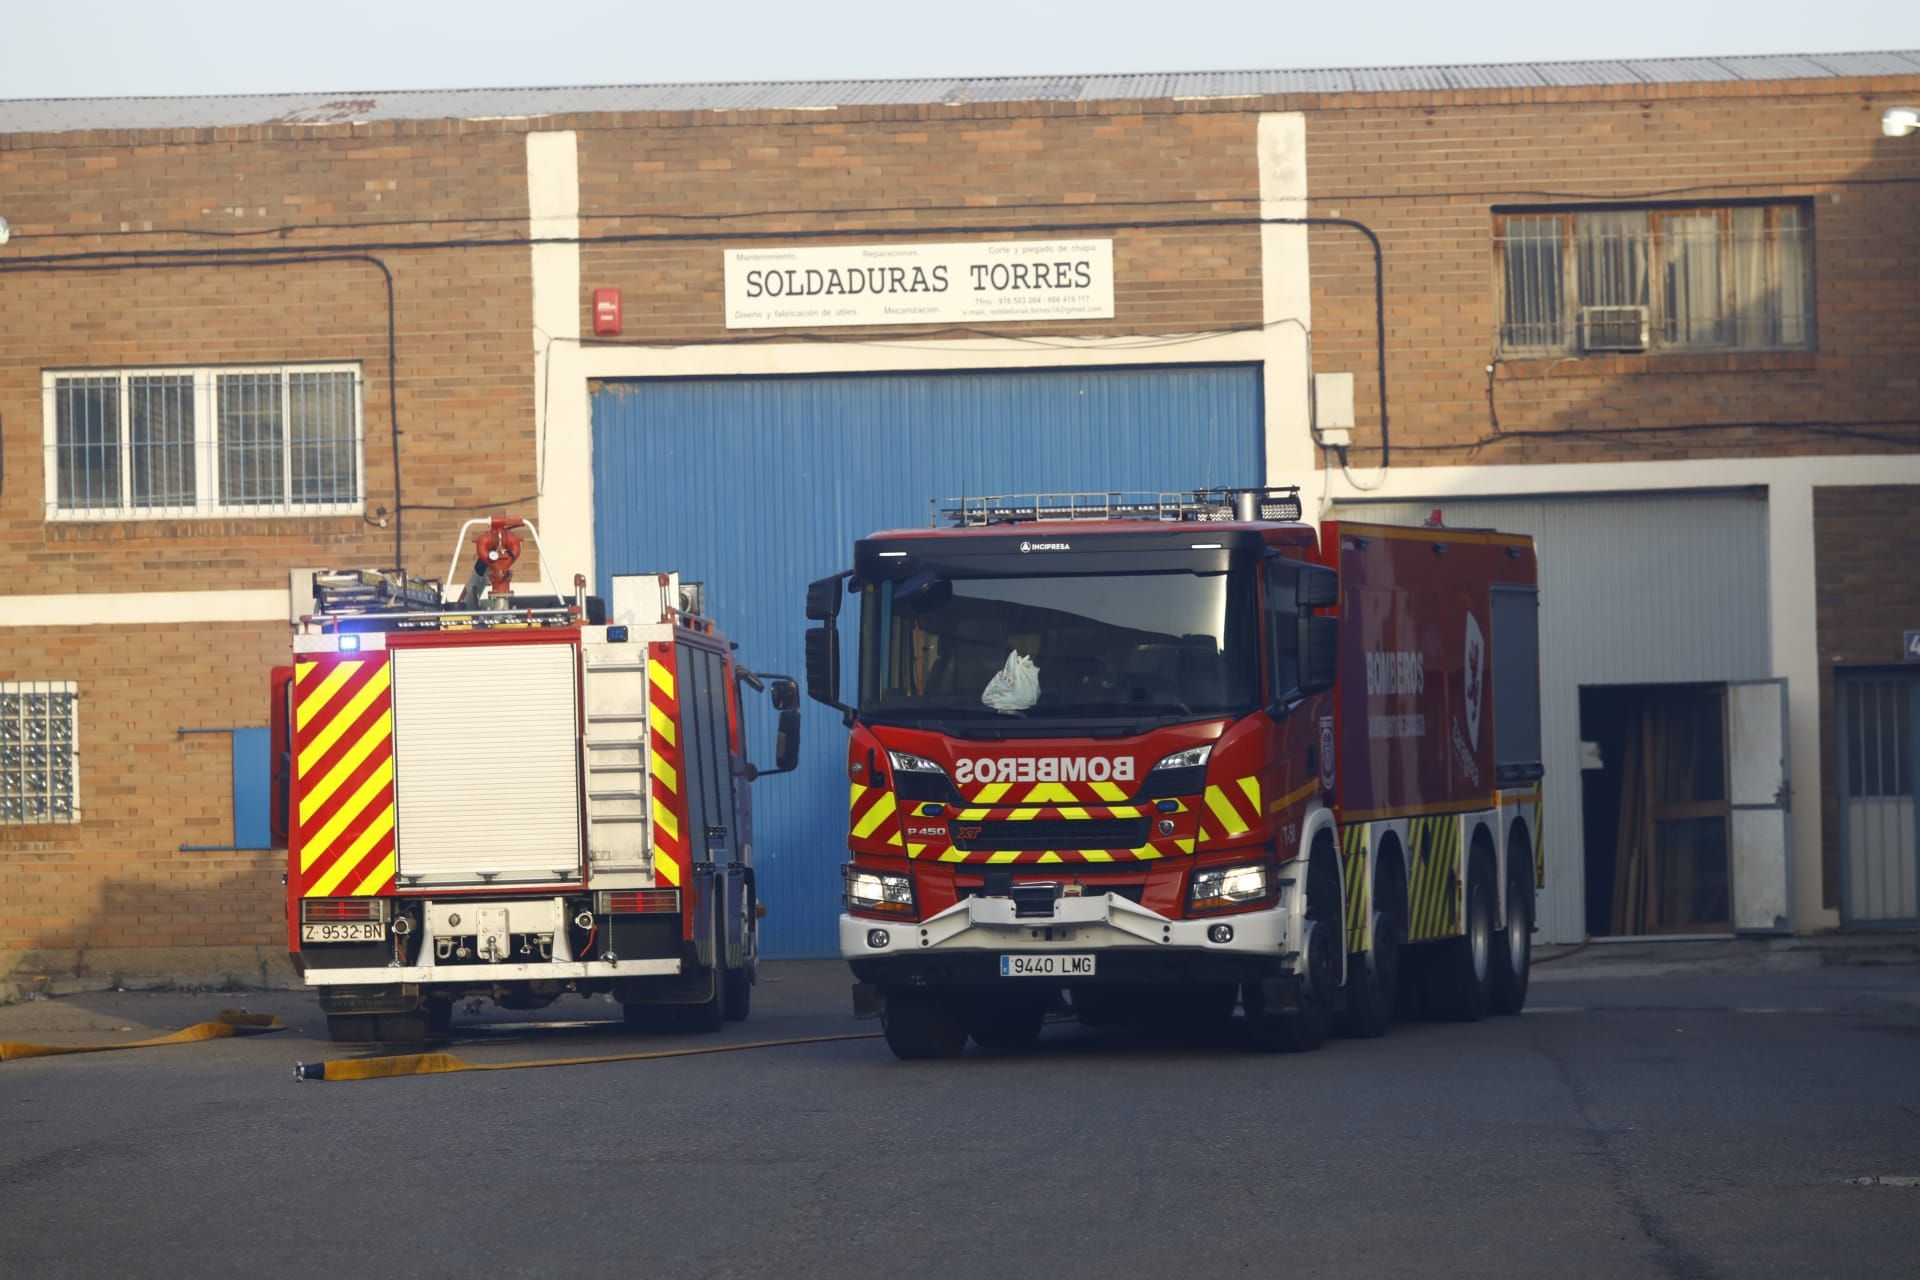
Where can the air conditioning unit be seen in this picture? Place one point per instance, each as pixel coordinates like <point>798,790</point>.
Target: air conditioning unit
<point>1613,328</point>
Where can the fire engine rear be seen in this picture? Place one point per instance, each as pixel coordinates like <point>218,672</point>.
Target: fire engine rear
<point>1170,755</point>
<point>517,797</point>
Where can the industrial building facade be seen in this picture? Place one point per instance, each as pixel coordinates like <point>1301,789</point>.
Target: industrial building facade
<point>1661,316</point>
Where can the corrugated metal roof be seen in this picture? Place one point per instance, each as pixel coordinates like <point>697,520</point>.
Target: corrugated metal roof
<point>56,115</point>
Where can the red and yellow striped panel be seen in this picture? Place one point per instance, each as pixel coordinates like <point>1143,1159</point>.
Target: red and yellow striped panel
<point>342,792</point>
<point>1353,858</point>
<point>873,816</point>
<point>1433,881</point>
<point>1231,811</point>
<point>664,756</point>
<point>1025,805</point>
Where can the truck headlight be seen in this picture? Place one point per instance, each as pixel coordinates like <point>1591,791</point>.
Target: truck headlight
<point>880,891</point>
<point>907,762</point>
<point>1216,888</point>
<point>1191,758</point>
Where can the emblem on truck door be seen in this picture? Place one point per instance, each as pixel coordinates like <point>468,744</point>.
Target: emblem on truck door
<point>1476,665</point>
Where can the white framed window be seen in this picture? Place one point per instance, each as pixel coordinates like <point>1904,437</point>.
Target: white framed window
<point>250,440</point>
<point>1655,278</point>
<point>39,751</point>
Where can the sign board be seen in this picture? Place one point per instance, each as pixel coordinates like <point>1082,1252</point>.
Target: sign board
<point>1912,649</point>
<point>984,282</point>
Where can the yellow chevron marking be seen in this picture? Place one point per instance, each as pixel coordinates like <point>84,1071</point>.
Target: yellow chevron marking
<point>914,850</point>
<point>1004,855</point>
<point>1050,793</point>
<point>381,730</point>
<point>1071,811</point>
<point>1223,810</point>
<point>663,819</point>
<point>661,678</point>
<point>1096,855</point>
<point>311,703</point>
<point>854,792</point>
<point>329,734</point>
<point>953,855</point>
<point>664,773</point>
<point>1146,853</point>
<point>1126,811</point>
<point>344,865</point>
<point>1251,787</point>
<point>1185,846</point>
<point>1108,791</point>
<point>871,820</point>
<point>1204,837</point>
<point>1048,856</point>
<point>301,670</point>
<point>991,793</point>
<point>1022,815</point>
<point>663,725</point>
<point>972,815</point>
<point>376,878</point>
<point>665,868</point>
<point>378,781</point>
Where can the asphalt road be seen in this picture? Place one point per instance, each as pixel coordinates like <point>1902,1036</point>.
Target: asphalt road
<point>1682,1123</point>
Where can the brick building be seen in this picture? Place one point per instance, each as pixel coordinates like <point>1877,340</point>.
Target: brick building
<point>1664,316</point>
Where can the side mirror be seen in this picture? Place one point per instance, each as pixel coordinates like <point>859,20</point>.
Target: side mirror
<point>1320,654</point>
<point>1319,587</point>
<point>823,598</point>
<point>823,665</point>
<point>786,742</point>
<point>785,695</point>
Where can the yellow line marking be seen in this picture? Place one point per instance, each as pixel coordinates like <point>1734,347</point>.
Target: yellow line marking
<point>1294,796</point>
<point>301,670</point>
<point>991,793</point>
<point>376,878</point>
<point>663,725</point>
<point>1108,791</point>
<point>1070,811</point>
<point>322,742</point>
<point>1185,846</point>
<point>661,677</point>
<point>1223,809</point>
<point>914,850</point>
<point>1096,855</point>
<point>972,815</point>
<point>667,775</point>
<point>381,731</point>
<point>1146,853</point>
<point>1126,811</point>
<point>355,853</point>
<point>954,855</point>
<point>1251,788</point>
<point>881,811</point>
<point>1048,856</point>
<point>310,703</point>
<point>664,867</point>
<point>379,780</point>
<point>1005,855</point>
<point>1050,793</point>
<point>663,818</point>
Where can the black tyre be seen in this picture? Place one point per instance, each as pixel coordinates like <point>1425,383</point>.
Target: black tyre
<point>350,1028</point>
<point>1513,946</point>
<point>1460,984</point>
<point>739,984</point>
<point>1006,1022</point>
<point>710,1014</point>
<point>401,1028</point>
<point>1304,1027</point>
<point>923,1024</point>
<point>1373,978</point>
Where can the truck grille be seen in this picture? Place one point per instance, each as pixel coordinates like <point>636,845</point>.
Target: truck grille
<point>1089,833</point>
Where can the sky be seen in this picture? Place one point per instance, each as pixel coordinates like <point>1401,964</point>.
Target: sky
<point>122,48</point>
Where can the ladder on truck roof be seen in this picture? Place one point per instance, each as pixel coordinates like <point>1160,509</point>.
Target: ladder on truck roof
<point>1278,503</point>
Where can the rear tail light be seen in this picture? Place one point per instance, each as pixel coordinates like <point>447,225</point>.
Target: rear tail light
<point>340,910</point>
<point>630,901</point>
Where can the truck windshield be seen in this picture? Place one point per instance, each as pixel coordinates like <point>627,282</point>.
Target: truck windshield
<point>1125,646</point>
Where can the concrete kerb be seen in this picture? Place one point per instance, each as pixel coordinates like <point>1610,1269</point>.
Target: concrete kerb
<point>40,974</point>
<point>1634,958</point>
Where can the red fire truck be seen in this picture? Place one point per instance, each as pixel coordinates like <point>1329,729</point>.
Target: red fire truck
<point>516,797</point>
<point>1181,753</point>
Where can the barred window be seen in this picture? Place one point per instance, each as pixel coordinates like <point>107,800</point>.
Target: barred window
<point>39,752</point>
<point>247,441</point>
<point>1658,278</point>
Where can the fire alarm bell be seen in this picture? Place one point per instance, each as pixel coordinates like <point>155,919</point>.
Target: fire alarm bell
<point>606,313</point>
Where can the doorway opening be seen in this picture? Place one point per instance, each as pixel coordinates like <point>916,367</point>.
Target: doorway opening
<point>1655,809</point>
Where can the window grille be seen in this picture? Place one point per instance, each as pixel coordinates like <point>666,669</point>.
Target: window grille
<point>39,752</point>
<point>249,441</point>
<point>1659,278</point>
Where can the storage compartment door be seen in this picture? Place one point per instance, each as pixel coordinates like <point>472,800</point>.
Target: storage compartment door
<point>1762,826</point>
<point>486,750</point>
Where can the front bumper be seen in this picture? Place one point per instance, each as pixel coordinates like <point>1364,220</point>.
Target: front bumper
<point>483,974</point>
<point>1133,943</point>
